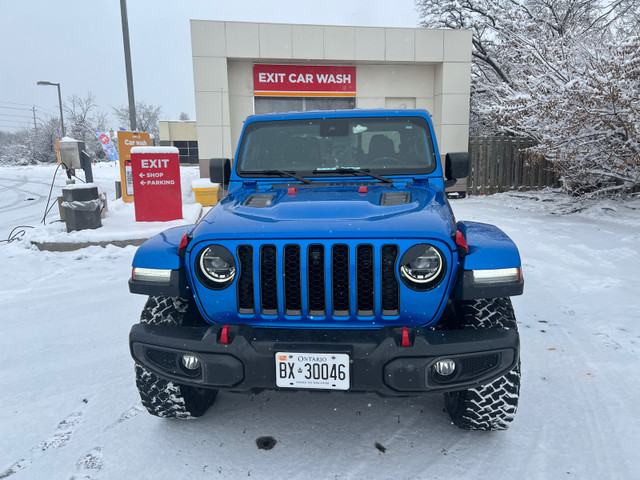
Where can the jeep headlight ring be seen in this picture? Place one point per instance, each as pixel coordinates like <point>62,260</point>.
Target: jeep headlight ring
<point>216,267</point>
<point>422,267</point>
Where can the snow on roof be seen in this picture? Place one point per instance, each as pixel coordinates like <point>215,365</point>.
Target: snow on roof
<point>154,150</point>
<point>203,183</point>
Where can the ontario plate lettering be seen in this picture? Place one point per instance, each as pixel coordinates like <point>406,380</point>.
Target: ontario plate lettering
<point>326,371</point>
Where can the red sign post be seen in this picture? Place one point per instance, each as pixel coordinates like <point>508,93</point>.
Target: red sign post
<point>156,181</point>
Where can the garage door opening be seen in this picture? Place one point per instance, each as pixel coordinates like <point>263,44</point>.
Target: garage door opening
<point>302,104</point>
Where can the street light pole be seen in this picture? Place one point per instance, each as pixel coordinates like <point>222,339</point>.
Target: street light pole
<point>127,64</point>
<point>59,102</point>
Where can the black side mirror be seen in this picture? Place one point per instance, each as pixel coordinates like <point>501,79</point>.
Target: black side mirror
<point>456,165</point>
<point>220,171</point>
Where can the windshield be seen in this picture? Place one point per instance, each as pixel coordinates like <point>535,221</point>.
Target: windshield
<point>317,147</point>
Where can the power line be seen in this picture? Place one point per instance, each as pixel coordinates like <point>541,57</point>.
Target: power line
<point>9,115</point>
<point>16,103</point>
<point>47,110</point>
<point>8,120</point>
<point>16,108</point>
<point>29,109</point>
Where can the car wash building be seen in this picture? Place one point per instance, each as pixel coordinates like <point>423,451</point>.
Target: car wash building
<point>245,68</point>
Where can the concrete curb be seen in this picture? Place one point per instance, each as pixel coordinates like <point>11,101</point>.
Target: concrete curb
<point>69,247</point>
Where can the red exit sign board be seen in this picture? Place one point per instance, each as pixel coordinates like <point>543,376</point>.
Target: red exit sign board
<point>304,80</point>
<point>156,183</point>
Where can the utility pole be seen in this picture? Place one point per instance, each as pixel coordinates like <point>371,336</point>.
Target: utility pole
<point>127,62</point>
<point>35,125</point>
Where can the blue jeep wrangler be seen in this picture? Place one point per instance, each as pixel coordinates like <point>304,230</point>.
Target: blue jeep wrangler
<point>333,263</point>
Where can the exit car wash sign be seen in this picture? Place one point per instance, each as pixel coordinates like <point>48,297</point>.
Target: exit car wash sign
<point>304,80</point>
<point>156,182</point>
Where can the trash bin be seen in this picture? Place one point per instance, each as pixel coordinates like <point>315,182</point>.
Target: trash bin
<point>82,207</point>
<point>206,192</point>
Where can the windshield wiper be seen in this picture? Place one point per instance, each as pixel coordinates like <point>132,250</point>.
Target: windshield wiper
<point>354,171</point>
<point>280,173</point>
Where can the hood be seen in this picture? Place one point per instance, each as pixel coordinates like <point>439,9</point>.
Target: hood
<point>330,211</point>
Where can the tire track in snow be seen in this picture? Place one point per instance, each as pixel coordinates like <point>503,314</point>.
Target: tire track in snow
<point>60,439</point>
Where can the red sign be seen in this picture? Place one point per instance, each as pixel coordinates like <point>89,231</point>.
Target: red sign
<point>304,80</point>
<point>156,181</point>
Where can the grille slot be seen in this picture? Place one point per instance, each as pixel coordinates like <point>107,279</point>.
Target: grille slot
<point>245,280</point>
<point>389,290</point>
<point>315,269</point>
<point>365,280</point>
<point>340,280</point>
<point>315,280</point>
<point>268,280</point>
<point>292,286</point>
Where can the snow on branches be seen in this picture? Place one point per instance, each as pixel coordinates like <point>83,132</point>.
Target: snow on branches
<point>564,72</point>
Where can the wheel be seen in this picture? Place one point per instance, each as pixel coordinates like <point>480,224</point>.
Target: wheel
<point>161,397</point>
<point>492,406</point>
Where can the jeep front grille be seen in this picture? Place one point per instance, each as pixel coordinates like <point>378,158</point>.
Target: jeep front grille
<point>318,280</point>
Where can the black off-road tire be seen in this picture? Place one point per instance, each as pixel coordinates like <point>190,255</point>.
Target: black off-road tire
<point>492,406</point>
<point>161,397</point>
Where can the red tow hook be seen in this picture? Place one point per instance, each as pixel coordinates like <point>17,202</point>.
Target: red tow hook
<point>224,335</point>
<point>405,337</point>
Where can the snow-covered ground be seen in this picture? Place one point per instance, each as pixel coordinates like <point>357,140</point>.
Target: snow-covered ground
<point>69,406</point>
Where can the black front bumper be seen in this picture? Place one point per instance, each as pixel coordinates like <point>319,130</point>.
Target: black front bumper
<point>379,362</point>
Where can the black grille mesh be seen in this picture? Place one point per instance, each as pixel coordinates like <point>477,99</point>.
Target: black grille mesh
<point>292,286</point>
<point>315,269</point>
<point>340,280</point>
<point>245,280</point>
<point>268,280</point>
<point>365,280</point>
<point>476,365</point>
<point>162,358</point>
<point>390,297</point>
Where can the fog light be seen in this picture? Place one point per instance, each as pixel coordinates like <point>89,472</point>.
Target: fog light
<point>190,362</point>
<point>445,367</point>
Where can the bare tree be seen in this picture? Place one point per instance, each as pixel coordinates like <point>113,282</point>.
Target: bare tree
<point>83,118</point>
<point>147,117</point>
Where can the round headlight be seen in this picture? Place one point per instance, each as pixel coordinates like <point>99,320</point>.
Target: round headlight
<point>217,266</point>
<point>422,267</point>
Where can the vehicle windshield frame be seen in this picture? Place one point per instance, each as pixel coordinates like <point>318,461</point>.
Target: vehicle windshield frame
<point>353,134</point>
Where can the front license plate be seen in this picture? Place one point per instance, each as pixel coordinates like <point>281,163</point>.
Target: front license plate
<point>326,371</point>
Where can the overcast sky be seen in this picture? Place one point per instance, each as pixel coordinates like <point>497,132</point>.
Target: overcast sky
<point>79,44</point>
